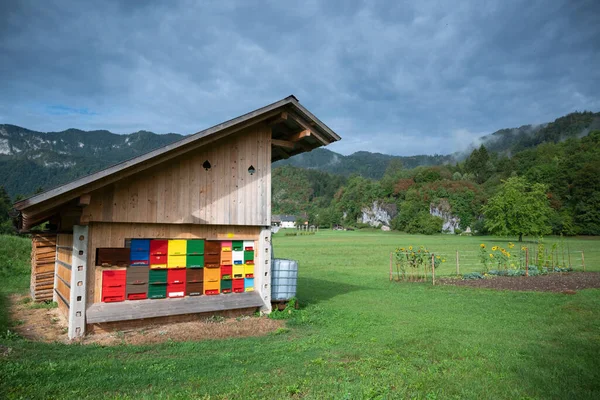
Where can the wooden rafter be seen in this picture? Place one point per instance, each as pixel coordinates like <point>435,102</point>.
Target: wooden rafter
<point>279,119</point>
<point>307,127</point>
<point>282,143</point>
<point>298,136</point>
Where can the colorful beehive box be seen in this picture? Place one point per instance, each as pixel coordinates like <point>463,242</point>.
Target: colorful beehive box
<point>212,254</point>
<point>112,256</point>
<point>137,283</point>
<point>113,285</point>
<point>248,270</point>
<point>195,253</point>
<point>248,244</point>
<point>178,247</point>
<point>226,286</point>
<point>194,282</point>
<point>176,283</point>
<point>226,245</point>
<point>195,247</point>
<point>226,272</point>
<point>193,261</point>
<point>237,256</point>
<point>226,258</point>
<point>158,261</point>
<point>176,261</point>
<point>249,256</point>
<point>212,279</point>
<point>159,247</point>
<point>238,271</point>
<point>157,288</point>
<point>237,245</point>
<point>140,245</point>
<point>140,252</point>
<point>238,286</point>
<point>249,284</point>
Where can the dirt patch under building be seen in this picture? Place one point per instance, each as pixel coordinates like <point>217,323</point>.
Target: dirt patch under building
<point>567,283</point>
<point>49,325</point>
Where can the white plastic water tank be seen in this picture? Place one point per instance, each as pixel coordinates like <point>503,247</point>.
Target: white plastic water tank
<point>284,279</point>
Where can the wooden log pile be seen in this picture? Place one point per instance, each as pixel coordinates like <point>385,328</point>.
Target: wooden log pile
<point>43,256</point>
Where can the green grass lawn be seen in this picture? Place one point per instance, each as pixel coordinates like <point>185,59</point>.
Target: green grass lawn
<point>357,336</point>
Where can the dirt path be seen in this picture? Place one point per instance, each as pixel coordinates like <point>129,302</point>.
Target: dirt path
<point>556,282</point>
<point>49,325</point>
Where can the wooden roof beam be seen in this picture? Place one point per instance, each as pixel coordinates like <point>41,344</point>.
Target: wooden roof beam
<point>283,143</point>
<point>298,136</point>
<point>279,119</point>
<point>309,128</point>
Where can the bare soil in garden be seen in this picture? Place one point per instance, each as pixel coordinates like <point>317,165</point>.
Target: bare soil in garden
<point>567,283</point>
<point>49,325</point>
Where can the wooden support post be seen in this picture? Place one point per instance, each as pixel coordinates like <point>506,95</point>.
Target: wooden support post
<point>583,260</point>
<point>569,253</point>
<point>457,264</point>
<point>263,272</point>
<point>391,272</point>
<point>78,282</point>
<point>433,269</point>
<point>526,261</point>
<point>54,294</point>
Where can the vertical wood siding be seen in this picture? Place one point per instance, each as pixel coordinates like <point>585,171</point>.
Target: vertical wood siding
<point>180,191</point>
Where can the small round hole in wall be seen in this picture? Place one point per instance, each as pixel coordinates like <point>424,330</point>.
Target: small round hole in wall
<point>81,237</point>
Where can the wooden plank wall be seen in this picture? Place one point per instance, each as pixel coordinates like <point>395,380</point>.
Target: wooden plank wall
<point>180,191</point>
<point>43,257</point>
<point>64,256</point>
<point>102,234</point>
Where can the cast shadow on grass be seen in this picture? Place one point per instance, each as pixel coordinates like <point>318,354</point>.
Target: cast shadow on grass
<point>317,290</point>
<point>562,368</point>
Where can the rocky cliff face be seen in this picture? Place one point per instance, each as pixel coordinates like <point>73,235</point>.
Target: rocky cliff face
<point>378,214</point>
<point>443,210</point>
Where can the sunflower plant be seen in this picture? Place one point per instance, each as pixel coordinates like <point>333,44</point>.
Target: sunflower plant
<point>410,260</point>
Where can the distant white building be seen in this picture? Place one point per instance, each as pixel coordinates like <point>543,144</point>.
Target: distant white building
<point>288,221</point>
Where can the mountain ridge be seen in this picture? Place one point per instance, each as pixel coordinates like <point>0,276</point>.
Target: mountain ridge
<point>30,160</point>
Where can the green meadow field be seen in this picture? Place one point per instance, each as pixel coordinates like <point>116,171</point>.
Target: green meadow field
<point>356,336</point>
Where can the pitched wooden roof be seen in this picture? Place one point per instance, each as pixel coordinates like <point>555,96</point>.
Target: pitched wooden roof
<point>294,130</point>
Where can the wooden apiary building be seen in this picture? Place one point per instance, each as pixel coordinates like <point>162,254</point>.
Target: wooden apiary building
<point>181,230</point>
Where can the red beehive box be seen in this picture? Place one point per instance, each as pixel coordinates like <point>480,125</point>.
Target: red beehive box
<point>159,247</point>
<point>113,285</point>
<point>238,285</point>
<point>226,272</point>
<point>176,276</point>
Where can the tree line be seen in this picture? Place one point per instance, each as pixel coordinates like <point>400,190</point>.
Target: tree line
<point>550,188</point>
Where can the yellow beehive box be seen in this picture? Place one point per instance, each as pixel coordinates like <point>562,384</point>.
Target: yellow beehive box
<point>176,261</point>
<point>248,271</point>
<point>178,247</point>
<point>238,271</point>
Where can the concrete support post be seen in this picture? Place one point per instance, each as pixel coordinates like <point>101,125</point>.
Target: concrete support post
<point>78,282</point>
<point>263,273</point>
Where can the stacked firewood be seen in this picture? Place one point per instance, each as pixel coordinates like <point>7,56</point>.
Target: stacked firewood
<point>43,256</point>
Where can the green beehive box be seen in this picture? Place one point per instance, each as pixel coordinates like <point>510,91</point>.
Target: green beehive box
<point>226,286</point>
<point>157,276</point>
<point>195,247</point>
<point>157,291</point>
<point>192,261</point>
<point>249,255</point>
<point>237,245</point>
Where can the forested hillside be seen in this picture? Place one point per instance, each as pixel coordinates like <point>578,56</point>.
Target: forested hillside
<point>563,155</point>
<point>31,160</point>
<point>363,163</point>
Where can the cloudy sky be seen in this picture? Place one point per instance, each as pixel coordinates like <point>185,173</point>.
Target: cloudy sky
<point>389,76</point>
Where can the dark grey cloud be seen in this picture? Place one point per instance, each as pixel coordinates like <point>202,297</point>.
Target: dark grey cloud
<point>389,76</point>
